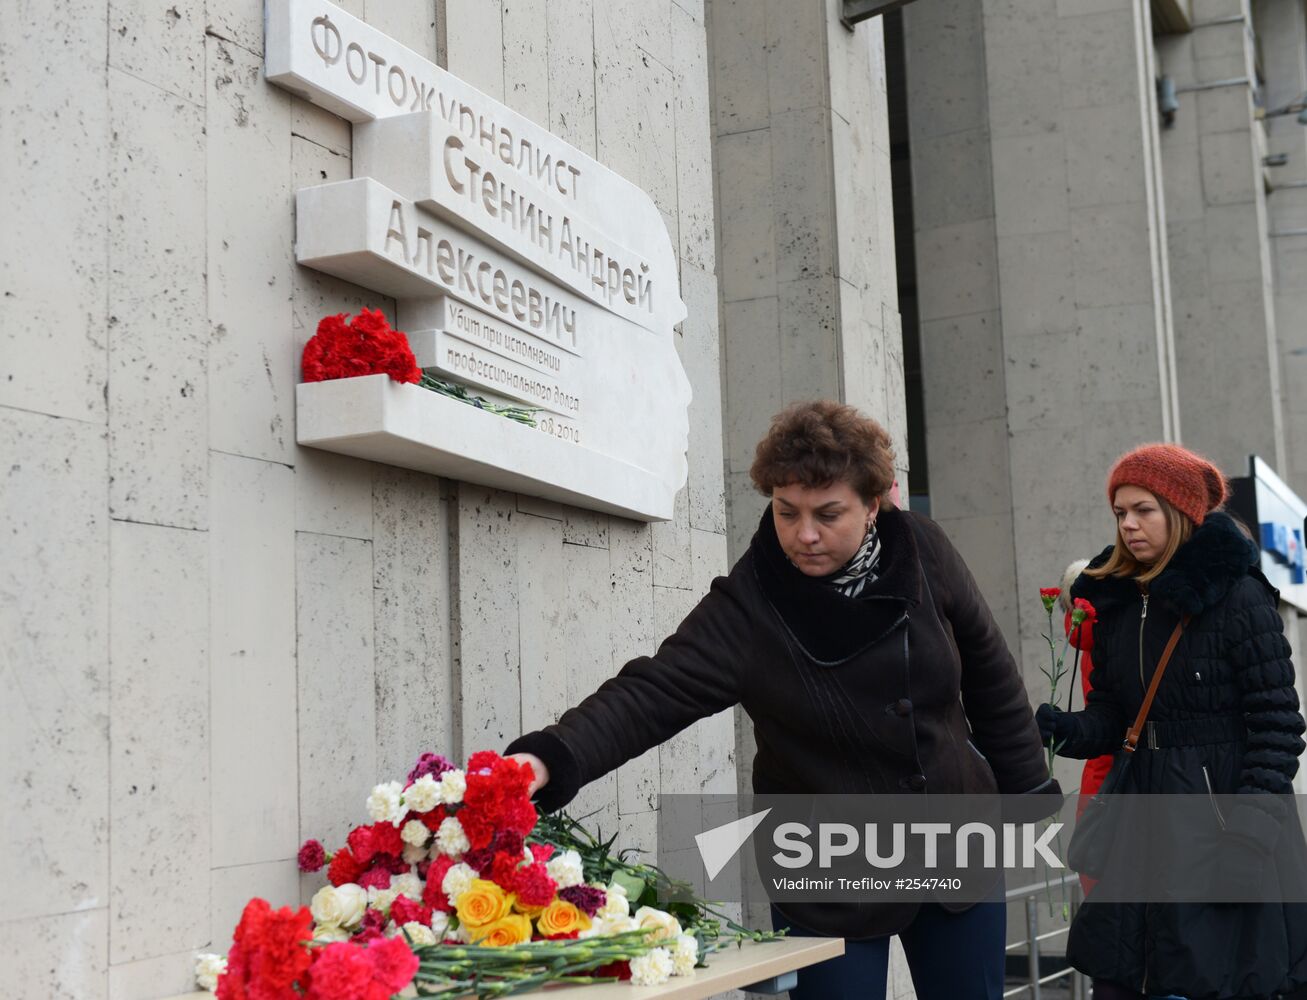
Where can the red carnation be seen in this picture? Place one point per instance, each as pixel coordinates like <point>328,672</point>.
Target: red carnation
<point>269,953</point>
<point>405,911</point>
<point>344,867</point>
<point>533,885</point>
<point>377,877</point>
<point>380,838</point>
<point>479,826</point>
<point>434,818</point>
<point>1082,612</point>
<point>542,852</point>
<point>346,971</point>
<point>341,971</point>
<point>433,895</point>
<point>585,898</point>
<point>503,870</point>
<point>368,346</point>
<point>312,856</point>
<point>482,760</point>
<point>393,963</point>
<point>1049,596</point>
<point>617,970</point>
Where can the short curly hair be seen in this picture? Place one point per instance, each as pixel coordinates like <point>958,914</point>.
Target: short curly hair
<point>822,442</point>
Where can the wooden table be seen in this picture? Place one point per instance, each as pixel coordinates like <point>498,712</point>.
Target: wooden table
<point>729,969</point>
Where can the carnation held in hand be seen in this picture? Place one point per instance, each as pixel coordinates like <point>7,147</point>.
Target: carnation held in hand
<point>458,857</point>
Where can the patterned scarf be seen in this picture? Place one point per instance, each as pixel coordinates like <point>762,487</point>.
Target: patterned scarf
<point>861,569</point>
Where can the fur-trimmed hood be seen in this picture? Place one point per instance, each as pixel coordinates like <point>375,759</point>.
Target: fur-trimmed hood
<point>1199,576</point>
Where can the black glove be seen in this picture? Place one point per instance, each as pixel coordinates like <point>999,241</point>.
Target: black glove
<point>1055,724</point>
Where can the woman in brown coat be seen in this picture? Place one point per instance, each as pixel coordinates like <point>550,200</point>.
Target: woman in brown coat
<point>856,639</point>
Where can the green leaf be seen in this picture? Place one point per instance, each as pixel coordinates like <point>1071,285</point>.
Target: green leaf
<point>634,886</point>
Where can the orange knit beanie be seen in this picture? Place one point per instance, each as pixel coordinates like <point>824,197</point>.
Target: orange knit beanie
<point>1188,482</point>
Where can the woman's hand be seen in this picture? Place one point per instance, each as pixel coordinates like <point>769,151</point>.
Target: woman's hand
<point>537,767</point>
<point>1054,723</point>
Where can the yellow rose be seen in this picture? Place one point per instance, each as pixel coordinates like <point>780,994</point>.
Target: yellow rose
<point>561,917</point>
<point>483,903</point>
<point>512,929</point>
<point>530,911</point>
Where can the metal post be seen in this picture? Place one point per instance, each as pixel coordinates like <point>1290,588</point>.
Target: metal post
<point>1032,929</point>
<point>1079,985</point>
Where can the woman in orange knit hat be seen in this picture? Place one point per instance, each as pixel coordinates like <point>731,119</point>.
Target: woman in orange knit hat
<point>1224,719</point>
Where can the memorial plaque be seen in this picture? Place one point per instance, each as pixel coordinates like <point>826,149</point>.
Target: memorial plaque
<point>523,270</point>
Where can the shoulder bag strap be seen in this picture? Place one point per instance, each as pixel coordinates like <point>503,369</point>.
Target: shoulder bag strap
<point>1132,735</point>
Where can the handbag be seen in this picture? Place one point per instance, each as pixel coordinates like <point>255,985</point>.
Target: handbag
<point>1091,843</point>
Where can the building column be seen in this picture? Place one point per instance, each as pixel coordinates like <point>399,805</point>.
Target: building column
<point>1227,368</point>
<point>1042,276</point>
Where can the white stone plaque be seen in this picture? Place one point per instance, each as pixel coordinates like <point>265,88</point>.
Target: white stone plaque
<point>523,269</point>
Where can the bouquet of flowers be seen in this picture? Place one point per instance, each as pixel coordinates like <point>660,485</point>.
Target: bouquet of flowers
<point>450,889</point>
<point>1082,613</point>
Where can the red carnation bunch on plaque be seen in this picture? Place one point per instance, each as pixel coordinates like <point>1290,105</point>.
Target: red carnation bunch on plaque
<point>366,346</point>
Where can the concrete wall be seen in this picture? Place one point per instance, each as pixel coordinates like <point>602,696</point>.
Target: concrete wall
<point>1042,275</point>
<point>1281,28</point>
<point>809,293</point>
<point>1227,363</point>
<point>216,641</point>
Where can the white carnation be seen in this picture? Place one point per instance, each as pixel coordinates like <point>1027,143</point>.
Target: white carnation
<point>339,906</point>
<point>452,786</point>
<point>382,899</point>
<point>385,805</point>
<point>661,925</point>
<point>565,869</point>
<point>652,968</point>
<point>439,924</point>
<point>450,838</point>
<point>415,833</point>
<point>409,885</point>
<point>330,935</point>
<point>419,934</point>
<point>457,881</point>
<point>460,934</point>
<point>684,955</point>
<point>423,795</point>
<point>414,855</point>
<point>615,902</point>
<point>208,967</point>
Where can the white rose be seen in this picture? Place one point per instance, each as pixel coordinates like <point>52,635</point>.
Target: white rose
<point>684,955</point>
<point>457,881</point>
<point>423,795</point>
<point>608,926</point>
<point>330,935</point>
<point>652,968</point>
<point>339,906</point>
<point>384,804</point>
<point>419,934</point>
<point>439,924</point>
<point>452,786</point>
<point>414,855</point>
<point>409,885</point>
<point>415,833</point>
<point>565,869</point>
<point>208,967</point>
<point>662,926</point>
<point>615,902</point>
<point>451,839</point>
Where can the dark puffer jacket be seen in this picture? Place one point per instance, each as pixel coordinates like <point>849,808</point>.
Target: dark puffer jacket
<point>884,693</point>
<point>1225,720</point>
